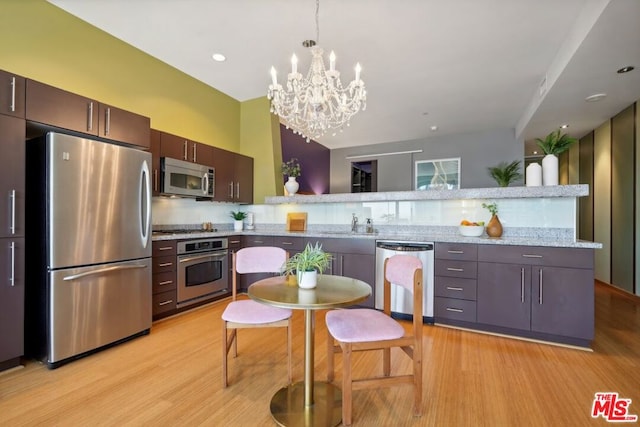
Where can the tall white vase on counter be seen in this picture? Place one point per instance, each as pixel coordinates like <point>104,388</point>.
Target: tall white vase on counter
<point>533,175</point>
<point>550,170</point>
<point>292,186</point>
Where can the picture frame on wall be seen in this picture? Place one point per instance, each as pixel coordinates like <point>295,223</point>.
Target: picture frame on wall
<point>437,174</point>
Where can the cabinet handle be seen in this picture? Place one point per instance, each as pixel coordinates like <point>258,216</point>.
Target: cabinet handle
<point>454,269</point>
<point>259,241</point>
<point>455,310</point>
<point>165,302</point>
<point>12,278</point>
<point>165,264</point>
<point>237,190</point>
<point>12,196</point>
<point>455,252</point>
<point>341,265</point>
<point>90,118</point>
<point>155,180</point>
<point>195,158</point>
<point>107,126</point>
<point>165,248</point>
<point>12,107</point>
<point>522,285</point>
<point>540,286</point>
<point>166,282</point>
<point>531,256</point>
<point>234,241</point>
<point>184,155</point>
<point>286,243</point>
<point>453,288</point>
<point>231,190</point>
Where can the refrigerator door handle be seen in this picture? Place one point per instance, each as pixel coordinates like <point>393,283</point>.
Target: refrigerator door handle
<point>104,270</point>
<point>145,204</point>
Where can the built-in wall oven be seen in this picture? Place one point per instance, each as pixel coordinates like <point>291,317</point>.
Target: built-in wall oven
<point>203,270</point>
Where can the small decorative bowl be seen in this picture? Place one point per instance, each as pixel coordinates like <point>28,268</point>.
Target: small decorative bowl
<point>471,230</point>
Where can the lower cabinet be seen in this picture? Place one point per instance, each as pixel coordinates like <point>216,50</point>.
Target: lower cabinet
<point>11,302</point>
<point>538,297</point>
<point>164,278</point>
<point>455,283</point>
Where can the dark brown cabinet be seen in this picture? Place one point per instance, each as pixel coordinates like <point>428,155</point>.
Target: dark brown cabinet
<point>154,149</point>
<point>56,107</point>
<point>455,283</point>
<point>233,177</point>
<point>181,148</point>
<point>12,176</point>
<point>11,301</point>
<point>12,94</point>
<point>164,278</point>
<point>546,293</point>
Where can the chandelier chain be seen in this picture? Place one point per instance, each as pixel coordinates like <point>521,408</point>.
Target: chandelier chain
<point>317,22</point>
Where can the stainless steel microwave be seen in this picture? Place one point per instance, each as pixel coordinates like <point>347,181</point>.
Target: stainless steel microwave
<point>186,179</point>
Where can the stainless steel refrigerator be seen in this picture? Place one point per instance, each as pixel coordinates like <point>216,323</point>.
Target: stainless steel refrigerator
<point>88,283</point>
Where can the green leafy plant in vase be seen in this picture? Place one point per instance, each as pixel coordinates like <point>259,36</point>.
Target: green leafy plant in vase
<point>307,264</point>
<point>505,173</point>
<point>553,145</point>
<point>238,218</point>
<point>494,227</point>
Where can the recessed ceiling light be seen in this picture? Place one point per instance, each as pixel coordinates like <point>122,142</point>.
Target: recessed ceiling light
<point>564,126</point>
<point>433,128</point>
<point>219,57</point>
<point>595,97</point>
<point>625,69</point>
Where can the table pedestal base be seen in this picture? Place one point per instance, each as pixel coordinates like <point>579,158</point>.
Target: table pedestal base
<point>288,409</point>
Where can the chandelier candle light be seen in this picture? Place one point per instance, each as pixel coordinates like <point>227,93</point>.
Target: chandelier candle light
<point>317,103</point>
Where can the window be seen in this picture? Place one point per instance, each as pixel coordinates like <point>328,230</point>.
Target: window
<point>438,174</point>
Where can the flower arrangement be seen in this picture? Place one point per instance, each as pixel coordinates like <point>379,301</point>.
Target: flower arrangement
<point>491,207</point>
<point>291,168</point>
<point>238,216</point>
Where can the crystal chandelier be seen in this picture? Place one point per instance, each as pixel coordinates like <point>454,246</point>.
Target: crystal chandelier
<point>317,103</point>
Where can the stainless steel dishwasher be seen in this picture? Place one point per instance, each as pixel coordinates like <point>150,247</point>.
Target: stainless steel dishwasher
<point>401,300</point>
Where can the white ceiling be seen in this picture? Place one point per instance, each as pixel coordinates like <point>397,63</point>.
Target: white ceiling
<point>463,65</point>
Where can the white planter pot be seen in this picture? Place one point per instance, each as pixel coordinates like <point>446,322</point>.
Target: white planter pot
<point>550,170</point>
<point>237,225</point>
<point>292,186</point>
<point>307,279</point>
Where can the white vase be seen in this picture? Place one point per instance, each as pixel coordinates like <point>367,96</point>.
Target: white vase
<point>534,175</point>
<point>550,170</point>
<point>237,225</point>
<point>307,279</point>
<point>292,186</point>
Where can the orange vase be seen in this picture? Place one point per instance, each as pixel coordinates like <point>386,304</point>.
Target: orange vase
<point>494,228</point>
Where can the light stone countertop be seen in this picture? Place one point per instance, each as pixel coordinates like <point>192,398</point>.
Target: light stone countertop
<point>409,237</point>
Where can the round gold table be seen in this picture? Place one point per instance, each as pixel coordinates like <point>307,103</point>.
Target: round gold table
<point>310,403</point>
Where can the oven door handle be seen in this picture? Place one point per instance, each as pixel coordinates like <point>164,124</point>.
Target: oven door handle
<point>199,257</point>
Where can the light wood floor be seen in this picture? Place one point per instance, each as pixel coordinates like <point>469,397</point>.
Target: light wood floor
<point>172,377</point>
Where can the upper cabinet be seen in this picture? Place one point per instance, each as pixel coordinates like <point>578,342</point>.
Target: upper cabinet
<point>233,177</point>
<point>154,148</point>
<point>181,148</point>
<point>12,177</point>
<point>11,94</point>
<point>56,107</point>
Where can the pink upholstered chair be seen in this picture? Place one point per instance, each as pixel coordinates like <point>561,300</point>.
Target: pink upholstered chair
<point>366,329</point>
<point>241,314</point>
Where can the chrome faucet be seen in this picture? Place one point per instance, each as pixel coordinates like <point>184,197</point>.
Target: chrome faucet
<point>354,223</point>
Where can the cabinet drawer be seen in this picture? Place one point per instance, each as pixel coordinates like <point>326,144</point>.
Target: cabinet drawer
<point>164,247</point>
<point>258,241</point>
<point>163,282</point>
<point>455,287</point>
<point>455,309</point>
<point>163,302</point>
<point>537,255</point>
<point>162,264</point>
<point>450,268</point>
<point>291,244</point>
<point>456,251</point>
<point>234,243</point>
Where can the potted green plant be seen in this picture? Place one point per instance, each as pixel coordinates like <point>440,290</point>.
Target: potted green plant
<point>307,264</point>
<point>292,170</point>
<point>494,227</point>
<point>552,145</point>
<point>238,217</point>
<point>505,173</point>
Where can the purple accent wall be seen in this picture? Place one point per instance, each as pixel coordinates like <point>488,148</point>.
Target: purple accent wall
<point>314,160</point>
